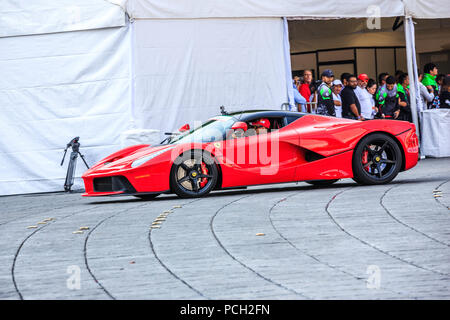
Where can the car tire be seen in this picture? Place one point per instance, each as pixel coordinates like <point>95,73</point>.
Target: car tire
<point>322,183</point>
<point>147,197</point>
<point>193,174</point>
<point>377,159</point>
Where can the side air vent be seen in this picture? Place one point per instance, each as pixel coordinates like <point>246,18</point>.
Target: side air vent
<point>311,156</point>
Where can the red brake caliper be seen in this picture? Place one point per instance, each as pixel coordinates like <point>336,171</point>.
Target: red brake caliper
<point>365,160</point>
<point>203,181</point>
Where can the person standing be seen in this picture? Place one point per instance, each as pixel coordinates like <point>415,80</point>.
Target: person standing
<point>430,72</point>
<point>382,79</point>
<point>344,78</point>
<point>381,83</point>
<point>351,108</point>
<point>398,73</point>
<point>445,93</point>
<point>336,89</point>
<point>440,81</point>
<point>426,96</point>
<point>404,103</point>
<point>367,101</point>
<point>299,100</point>
<point>325,103</point>
<point>361,87</point>
<point>305,87</point>
<point>388,99</point>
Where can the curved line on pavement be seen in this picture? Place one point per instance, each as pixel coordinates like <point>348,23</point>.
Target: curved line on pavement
<point>170,270</point>
<point>356,277</point>
<point>16,255</point>
<point>405,224</point>
<point>240,262</point>
<point>372,246</point>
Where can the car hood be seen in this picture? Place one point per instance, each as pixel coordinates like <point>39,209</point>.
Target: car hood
<point>126,160</point>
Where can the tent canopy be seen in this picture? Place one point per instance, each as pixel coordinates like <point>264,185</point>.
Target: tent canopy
<point>427,9</point>
<point>192,9</point>
<point>24,17</point>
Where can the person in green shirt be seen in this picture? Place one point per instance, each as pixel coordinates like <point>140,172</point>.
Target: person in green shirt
<point>325,102</point>
<point>430,72</point>
<point>388,100</point>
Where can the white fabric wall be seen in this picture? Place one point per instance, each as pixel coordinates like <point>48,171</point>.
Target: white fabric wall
<point>25,17</point>
<point>186,69</point>
<point>436,133</point>
<point>54,87</point>
<point>427,9</point>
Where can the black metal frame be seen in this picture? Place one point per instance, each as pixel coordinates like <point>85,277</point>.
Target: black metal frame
<point>350,61</point>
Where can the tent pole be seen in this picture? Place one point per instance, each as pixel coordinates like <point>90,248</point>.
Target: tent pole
<point>287,65</point>
<point>412,72</point>
<point>132,74</point>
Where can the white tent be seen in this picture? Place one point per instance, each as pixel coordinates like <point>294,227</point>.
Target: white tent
<point>65,71</point>
<point>81,68</point>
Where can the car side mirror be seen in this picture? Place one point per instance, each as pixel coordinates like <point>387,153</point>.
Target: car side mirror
<point>240,125</point>
<point>184,128</point>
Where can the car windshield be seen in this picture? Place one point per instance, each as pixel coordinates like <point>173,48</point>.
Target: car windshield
<point>212,130</point>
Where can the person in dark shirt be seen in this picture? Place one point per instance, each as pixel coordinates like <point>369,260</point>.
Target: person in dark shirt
<point>388,99</point>
<point>351,108</point>
<point>382,79</point>
<point>325,103</point>
<point>445,94</point>
<point>404,103</point>
<point>344,78</point>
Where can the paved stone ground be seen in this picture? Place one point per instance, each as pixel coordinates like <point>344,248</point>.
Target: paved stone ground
<point>339,242</point>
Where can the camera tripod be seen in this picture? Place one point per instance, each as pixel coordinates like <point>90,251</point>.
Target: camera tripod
<point>75,145</point>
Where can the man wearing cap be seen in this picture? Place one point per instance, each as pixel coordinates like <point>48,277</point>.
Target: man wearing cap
<point>362,84</point>
<point>325,103</point>
<point>388,100</point>
<point>258,127</point>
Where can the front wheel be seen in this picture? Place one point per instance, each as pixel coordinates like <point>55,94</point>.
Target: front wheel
<point>193,174</point>
<point>377,159</point>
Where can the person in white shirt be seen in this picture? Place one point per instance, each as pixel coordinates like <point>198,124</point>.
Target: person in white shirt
<point>336,89</point>
<point>362,83</point>
<point>425,96</point>
<point>368,108</point>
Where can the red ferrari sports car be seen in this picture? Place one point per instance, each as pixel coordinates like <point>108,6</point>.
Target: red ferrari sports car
<point>258,147</point>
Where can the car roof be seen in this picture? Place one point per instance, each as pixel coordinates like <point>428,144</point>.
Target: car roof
<point>252,114</point>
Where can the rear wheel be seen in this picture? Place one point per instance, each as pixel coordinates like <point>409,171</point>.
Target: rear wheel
<point>322,183</point>
<point>193,174</point>
<point>377,159</point>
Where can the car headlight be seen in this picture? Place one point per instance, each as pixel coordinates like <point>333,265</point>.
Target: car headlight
<point>143,160</point>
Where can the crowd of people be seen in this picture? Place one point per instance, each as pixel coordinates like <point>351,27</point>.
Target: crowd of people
<point>361,98</point>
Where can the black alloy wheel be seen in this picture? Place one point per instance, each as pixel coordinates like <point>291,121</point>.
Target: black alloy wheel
<point>376,160</point>
<point>193,174</point>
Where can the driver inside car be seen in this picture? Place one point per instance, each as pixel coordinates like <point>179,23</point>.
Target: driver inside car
<point>259,126</point>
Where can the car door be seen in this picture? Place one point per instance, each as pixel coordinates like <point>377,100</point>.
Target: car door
<point>269,157</point>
